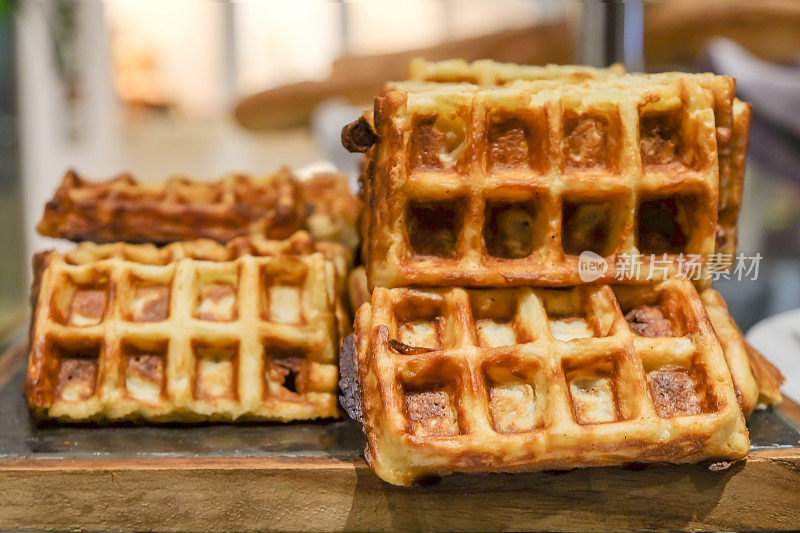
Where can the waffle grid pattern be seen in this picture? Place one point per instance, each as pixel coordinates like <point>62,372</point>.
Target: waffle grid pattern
<point>506,186</point>
<point>732,116</point>
<point>476,381</point>
<point>184,340</point>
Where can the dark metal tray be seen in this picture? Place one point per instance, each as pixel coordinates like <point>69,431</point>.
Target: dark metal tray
<point>22,438</point>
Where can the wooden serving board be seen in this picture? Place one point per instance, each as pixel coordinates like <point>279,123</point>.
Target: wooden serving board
<point>312,477</point>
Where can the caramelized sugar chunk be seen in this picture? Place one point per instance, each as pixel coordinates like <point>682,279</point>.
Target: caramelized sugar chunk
<point>673,392</point>
<point>508,144</point>
<point>87,307</point>
<point>649,321</point>
<point>495,315</point>
<point>492,333</point>
<point>405,349</point>
<point>585,143</point>
<point>215,373</point>
<point>436,141</point>
<point>287,370</point>
<point>592,391</point>
<point>513,407</point>
<point>430,413</point>
<point>660,140</point>
<point>216,302</point>
<point>144,375</point>
<point>77,378</point>
<point>150,303</point>
<point>593,399</point>
<point>288,373</point>
<point>570,328</point>
<point>422,333</point>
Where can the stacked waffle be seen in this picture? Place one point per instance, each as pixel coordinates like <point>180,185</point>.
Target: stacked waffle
<point>239,318</point>
<point>484,345</point>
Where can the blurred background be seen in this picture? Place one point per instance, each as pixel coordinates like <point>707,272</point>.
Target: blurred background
<point>203,88</point>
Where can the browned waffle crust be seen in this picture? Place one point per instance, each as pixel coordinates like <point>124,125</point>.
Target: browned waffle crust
<point>506,186</point>
<point>732,117</point>
<point>331,209</point>
<point>193,331</point>
<point>491,73</point>
<point>756,381</point>
<point>123,209</point>
<point>518,379</point>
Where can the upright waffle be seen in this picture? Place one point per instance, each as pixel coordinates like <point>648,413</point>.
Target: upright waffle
<point>275,206</point>
<point>530,379</point>
<point>757,381</point>
<point>194,331</point>
<point>732,117</point>
<point>331,210</point>
<point>508,186</point>
<point>731,179</point>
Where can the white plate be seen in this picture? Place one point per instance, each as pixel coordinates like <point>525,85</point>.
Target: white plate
<point>778,338</point>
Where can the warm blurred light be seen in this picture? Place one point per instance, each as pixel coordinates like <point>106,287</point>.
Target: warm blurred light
<point>389,26</point>
<point>283,42</point>
<point>168,50</point>
<point>476,17</point>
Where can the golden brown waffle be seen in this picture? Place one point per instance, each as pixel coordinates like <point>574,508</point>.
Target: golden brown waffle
<point>756,380</point>
<point>489,380</point>
<point>123,209</point>
<point>193,331</point>
<point>731,179</point>
<point>488,73</point>
<point>732,117</point>
<point>357,290</point>
<point>331,209</point>
<point>507,186</point>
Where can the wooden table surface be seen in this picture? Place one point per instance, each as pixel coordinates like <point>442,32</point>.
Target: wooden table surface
<point>101,490</point>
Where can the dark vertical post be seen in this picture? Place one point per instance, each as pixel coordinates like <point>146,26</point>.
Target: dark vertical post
<point>611,32</point>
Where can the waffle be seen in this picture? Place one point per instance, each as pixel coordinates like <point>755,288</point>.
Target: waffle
<point>190,332</point>
<point>756,380</point>
<point>731,179</point>
<point>489,73</point>
<point>122,209</point>
<point>732,117</point>
<point>488,380</point>
<point>508,186</point>
<point>331,209</point>
<point>357,290</point>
